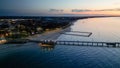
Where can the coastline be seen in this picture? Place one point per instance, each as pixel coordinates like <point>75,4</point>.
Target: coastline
<point>52,34</point>
<point>49,35</point>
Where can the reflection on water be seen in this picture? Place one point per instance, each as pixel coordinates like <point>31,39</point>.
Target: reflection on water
<point>103,29</point>
<point>32,55</point>
<point>46,47</point>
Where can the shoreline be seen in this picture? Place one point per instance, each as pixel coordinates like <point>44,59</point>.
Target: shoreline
<point>49,35</point>
<point>52,34</point>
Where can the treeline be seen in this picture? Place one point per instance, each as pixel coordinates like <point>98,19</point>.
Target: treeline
<point>38,26</point>
<point>52,25</point>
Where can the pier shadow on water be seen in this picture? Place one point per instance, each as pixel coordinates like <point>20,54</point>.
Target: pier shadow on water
<point>32,55</point>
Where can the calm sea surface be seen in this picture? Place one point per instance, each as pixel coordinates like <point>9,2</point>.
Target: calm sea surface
<point>32,55</point>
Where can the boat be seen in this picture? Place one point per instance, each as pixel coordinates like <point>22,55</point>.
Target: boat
<point>3,40</point>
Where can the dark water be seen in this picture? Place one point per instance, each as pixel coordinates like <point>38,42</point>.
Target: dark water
<point>32,55</point>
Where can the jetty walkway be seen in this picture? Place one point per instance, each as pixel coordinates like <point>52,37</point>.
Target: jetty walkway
<point>79,43</point>
<point>72,43</point>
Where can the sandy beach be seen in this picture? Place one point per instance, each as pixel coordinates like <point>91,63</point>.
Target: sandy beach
<point>49,35</point>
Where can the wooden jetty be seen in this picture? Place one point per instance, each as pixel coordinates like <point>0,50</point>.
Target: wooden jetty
<point>79,43</point>
<point>83,34</point>
<point>89,43</point>
<point>72,43</point>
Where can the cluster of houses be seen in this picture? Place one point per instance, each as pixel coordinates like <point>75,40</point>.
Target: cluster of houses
<point>18,27</point>
<point>4,29</point>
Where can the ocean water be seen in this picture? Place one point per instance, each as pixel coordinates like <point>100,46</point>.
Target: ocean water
<point>32,55</point>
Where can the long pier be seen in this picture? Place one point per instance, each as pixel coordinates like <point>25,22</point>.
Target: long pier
<point>79,43</point>
<point>72,43</point>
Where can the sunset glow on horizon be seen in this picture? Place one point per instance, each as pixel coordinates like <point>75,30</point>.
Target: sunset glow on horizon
<point>116,13</point>
<point>46,7</point>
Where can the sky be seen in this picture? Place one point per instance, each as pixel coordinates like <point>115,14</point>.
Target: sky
<point>59,7</point>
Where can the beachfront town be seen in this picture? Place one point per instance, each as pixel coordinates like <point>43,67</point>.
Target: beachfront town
<point>20,28</point>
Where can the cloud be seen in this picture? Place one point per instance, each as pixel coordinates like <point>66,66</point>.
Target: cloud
<point>56,10</point>
<point>80,10</point>
<point>117,9</point>
<point>87,10</point>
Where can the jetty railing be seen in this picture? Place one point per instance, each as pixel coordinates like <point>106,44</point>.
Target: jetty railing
<point>79,43</point>
<point>73,43</point>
